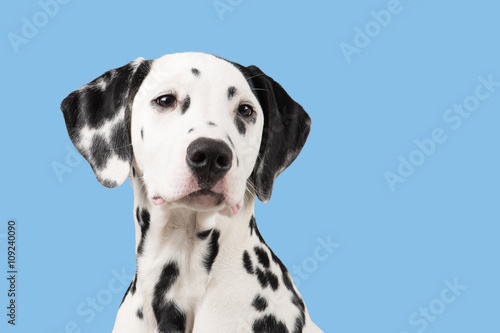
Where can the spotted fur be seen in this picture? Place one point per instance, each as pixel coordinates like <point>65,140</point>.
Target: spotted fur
<point>202,264</point>
<point>185,104</point>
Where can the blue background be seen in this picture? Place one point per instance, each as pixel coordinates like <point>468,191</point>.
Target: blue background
<point>396,248</point>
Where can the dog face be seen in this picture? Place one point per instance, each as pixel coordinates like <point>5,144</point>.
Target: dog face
<point>196,131</point>
<point>196,128</point>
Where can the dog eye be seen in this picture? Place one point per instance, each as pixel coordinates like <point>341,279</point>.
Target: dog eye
<point>245,110</point>
<point>166,101</point>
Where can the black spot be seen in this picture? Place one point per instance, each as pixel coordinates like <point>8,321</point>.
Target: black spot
<point>259,303</point>
<point>240,125</point>
<point>213,250</point>
<point>262,277</point>
<point>230,141</point>
<point>136,82</point>
<point>252,225</point>
<point>192,129</point>
<point>133,171</point>
<point>262,256</point>
<point>270,276</point>
<point>108,183</point>
<point>298,302</point>
<point>139,76</point>
<point>143,218</point>
<point>261,239</point>
<point>252,119</point>
<point>272,279</point>
<point>94,106</point>
<point>301,319</point>
<point>140,248</point>
<point>133,285</point>
<point>120,142</point>
<point>231,91</point>
<point>211,123</point>
<point>220,199</point>
<point>287,281</point>
<point>142,133</point>
<point>195,71</point>
<point>185,104</point>
<point>103,79</point>
<point>126,293</point>
<point>99,151</point>
<point>140,314</point>
<point>118,87</point>
<point>237,161</point>
<point>138,215</point>
<point>247,262</point>
<point>172,320</point>
<point>168,276</point>
<point>168,316</point>
<point>269,324</point>
<point>203,234</point>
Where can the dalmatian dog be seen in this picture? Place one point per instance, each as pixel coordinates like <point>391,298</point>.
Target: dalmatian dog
<point>200,138</point>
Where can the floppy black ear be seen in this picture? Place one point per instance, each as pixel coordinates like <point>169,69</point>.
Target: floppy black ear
<point>97,118</point>
<point>286,127</point>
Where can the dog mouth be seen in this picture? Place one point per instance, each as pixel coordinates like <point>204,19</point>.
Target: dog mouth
<point>157,200</point>
<point>219,197</point>
<point>201,200</point>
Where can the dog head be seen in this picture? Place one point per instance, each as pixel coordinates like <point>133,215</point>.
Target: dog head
<point>197,129</point>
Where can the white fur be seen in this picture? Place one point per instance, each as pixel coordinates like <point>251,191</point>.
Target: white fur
<point>161,155</point>
<point>220,301</point>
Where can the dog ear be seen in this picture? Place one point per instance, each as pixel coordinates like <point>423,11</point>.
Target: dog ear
<point>97,118</point>
<point>286,127</point>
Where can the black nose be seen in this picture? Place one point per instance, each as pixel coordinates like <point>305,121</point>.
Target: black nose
<point>209,160</point>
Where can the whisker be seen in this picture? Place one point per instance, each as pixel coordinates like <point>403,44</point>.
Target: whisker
<point>261,89</point>
<point>251,186</point>
<point>251,77</point>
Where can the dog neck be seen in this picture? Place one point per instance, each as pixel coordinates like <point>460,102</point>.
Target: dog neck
<point>161,227</point>
<point>167,236</point>
<point>167,224</point>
